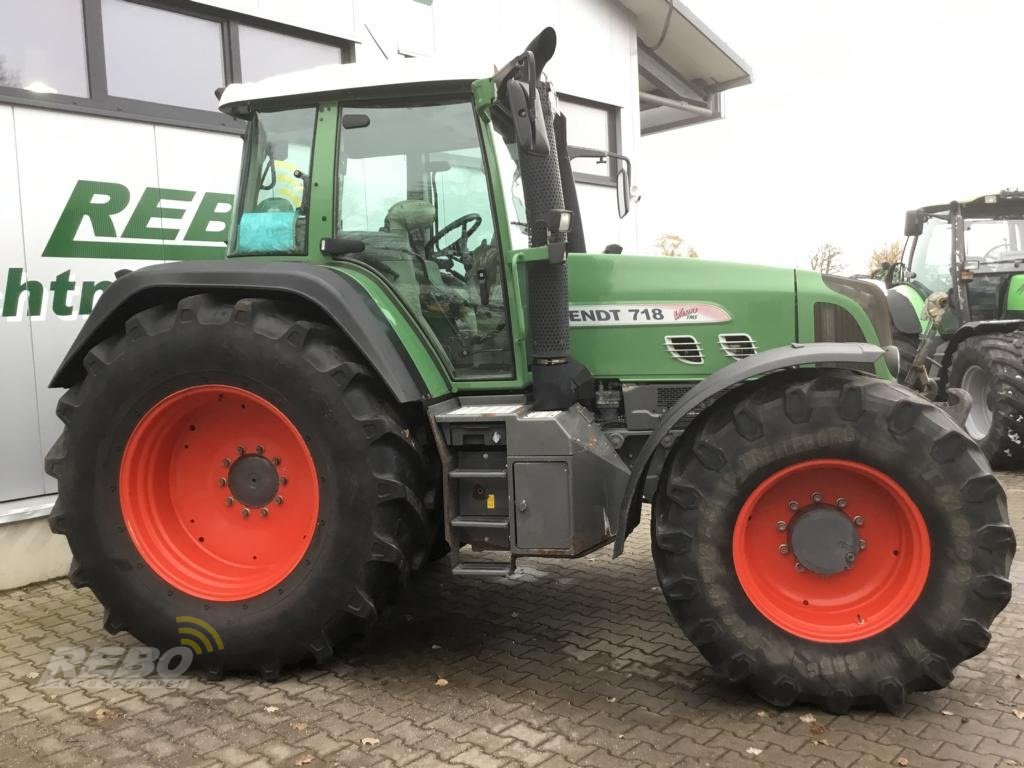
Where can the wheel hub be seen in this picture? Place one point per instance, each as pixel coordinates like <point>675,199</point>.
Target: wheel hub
<point>253,480</point>
<point>823,540</point>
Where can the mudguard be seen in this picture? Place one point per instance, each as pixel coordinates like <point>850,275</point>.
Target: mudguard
<point>334,294</point>
<point>770,361</point>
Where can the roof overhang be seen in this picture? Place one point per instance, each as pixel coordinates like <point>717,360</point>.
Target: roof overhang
<point>683,66</point>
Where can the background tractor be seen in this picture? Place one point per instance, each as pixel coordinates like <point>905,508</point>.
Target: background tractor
<point>957,305</point>
<point>415,354</point>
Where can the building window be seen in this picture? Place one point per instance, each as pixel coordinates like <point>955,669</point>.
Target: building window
<point>595,126</point>
<point>161,56</point>
<point>265,53</point>
<point>42,47</point>
<point>146,60</point>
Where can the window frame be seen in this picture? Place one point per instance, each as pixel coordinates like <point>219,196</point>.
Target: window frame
<point>614,139</point>
<point>431,98</point>
<point>100,103</point>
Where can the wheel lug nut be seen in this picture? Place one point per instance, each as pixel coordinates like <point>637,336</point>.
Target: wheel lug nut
<point>858,520</point>
<point>241,450</point>
<point>800,568</point>
<point>816,497</point>
<point>841,502</point>
<point>278,500</point>
<point>862,544</point>
<point>850,557</point>
<point>793,505</point>
<point>783,549</point>
<point>226,462</point>
<point>228,501</point>
<point>264,511</point>
<point>245,511</point>
<point>284,481</point>
<point>277,461</point>
<point>259,449</point>
<point>781,525</point>
<point>221,482</point>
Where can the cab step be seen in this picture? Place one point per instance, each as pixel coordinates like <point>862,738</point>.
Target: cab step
<point>482,568</point>
<point>480,521</point>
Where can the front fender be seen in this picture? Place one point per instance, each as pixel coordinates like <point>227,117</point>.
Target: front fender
<point>760,364</point>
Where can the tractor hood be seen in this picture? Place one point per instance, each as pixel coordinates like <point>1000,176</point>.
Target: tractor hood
<point>649,318</point>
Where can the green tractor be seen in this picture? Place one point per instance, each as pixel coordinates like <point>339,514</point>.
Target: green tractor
<point>957,305</point>
<point>409,354</point>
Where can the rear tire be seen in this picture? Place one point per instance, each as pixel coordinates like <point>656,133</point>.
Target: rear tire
<point>867,428</point>
<point>991,368</point>
<point>363,516</point>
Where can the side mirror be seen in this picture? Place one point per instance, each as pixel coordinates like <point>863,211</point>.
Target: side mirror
<point>623,186</point>
<point>914,223</point>
<point>527,119</point>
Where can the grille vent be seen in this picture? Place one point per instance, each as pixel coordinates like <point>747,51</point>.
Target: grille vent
<point>685,348</point>
<point>737,345</point>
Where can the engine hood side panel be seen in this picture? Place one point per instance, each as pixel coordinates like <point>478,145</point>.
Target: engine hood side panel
<point>623,307</point>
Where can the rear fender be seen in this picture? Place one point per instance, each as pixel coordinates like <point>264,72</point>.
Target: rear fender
<point>334,295</point>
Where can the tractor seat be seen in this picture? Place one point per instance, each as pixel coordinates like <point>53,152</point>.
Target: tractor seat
<point>414,218</point>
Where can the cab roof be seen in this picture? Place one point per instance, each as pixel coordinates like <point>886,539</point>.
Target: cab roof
<point>332,78</point>
<point>1008,204</point>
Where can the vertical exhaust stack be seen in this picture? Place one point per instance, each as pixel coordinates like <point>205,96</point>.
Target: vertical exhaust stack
<point>548,282</point>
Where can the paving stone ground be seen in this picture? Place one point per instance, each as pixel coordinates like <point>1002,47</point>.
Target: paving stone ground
<point>575,663</point>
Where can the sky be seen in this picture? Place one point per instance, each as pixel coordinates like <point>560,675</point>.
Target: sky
<point>857,112</point>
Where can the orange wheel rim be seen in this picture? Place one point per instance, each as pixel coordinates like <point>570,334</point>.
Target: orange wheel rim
<point>219,492</point>
<point>810,510</point>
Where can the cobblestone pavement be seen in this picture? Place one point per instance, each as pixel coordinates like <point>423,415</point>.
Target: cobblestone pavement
<point>576,663</point>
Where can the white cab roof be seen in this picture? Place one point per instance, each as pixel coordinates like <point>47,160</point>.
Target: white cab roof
<point>339,77</point>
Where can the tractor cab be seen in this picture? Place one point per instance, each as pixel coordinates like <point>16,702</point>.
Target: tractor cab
<point>971,251</point>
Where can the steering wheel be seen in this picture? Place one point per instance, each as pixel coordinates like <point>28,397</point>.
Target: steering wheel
<point>469,224</point>
<point>995,248</point>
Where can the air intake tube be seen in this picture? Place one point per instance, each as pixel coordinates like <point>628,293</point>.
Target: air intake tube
<point>548,283</point>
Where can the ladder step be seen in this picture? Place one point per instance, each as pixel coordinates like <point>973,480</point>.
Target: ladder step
<point>480,521</point>
<point>483,569</point>
<point>477,474</point>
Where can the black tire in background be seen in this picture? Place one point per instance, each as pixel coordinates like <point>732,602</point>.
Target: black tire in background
<point>992,366</point>
<point>774,423</point>
<point>371,527</point>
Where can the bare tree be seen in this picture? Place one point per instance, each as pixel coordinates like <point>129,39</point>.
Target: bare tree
<point>887,254</point>
<point>669,244</point>
<point>827,259</point>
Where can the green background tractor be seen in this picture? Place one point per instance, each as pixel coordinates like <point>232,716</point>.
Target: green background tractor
<point>410,353</point>
<point>965,260</point>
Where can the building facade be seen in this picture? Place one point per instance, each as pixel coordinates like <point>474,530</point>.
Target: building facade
<point>116,157</point>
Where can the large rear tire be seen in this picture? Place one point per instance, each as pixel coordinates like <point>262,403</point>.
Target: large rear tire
<point>757,529</point>
<point>235,463</point>
<point>991,369</point>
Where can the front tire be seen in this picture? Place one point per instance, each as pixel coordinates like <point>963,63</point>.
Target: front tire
<point>991,369</point>
<point>849,626</point>
<point>237,464</point>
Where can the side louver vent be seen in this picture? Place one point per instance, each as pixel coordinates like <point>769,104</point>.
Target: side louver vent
<point>737,345</point>
<point>685,348</point>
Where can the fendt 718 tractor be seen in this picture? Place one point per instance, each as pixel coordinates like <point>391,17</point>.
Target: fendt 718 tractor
<point>957,305</point>
<point>399,360</point>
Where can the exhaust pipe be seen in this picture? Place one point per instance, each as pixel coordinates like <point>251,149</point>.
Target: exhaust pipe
<point>548,282</point>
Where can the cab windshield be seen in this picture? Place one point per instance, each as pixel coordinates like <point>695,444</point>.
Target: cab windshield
<point>412,187</point>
